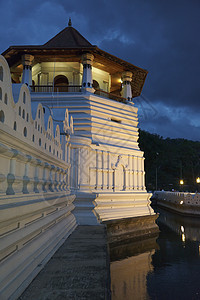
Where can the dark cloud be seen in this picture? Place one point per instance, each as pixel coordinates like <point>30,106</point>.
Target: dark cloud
<point>166,127</point>
<point>160,36</point>
<point>179,122</point>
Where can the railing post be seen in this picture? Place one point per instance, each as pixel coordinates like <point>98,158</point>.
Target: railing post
<point>27,60</point>
<point>126,85</point>
<point>87,60</point>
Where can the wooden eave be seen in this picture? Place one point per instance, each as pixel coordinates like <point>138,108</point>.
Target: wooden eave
<point>14,53</point>
<point>118,65</point>
<point>102,60</point>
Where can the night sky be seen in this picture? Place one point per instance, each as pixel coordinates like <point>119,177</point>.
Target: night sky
<point>162,37</point>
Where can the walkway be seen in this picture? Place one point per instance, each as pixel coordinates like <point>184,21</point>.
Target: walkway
<point>78,270</point>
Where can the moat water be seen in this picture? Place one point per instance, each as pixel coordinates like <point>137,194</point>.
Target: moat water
<point>164,267</point>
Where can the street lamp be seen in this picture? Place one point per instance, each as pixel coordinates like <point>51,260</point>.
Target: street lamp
<point>182,182</point>
<point>198,182</point>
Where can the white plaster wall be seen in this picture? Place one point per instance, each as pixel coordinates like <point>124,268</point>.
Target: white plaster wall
<point>35,200</point>
<point>49,70</point>
<point>115,179</point>
<point>102,77</point>
<point>113,165</point>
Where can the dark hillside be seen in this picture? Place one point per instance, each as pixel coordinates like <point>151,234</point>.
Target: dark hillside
<point>172,160</point>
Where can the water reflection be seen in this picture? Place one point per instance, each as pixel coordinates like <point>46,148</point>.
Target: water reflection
<point>129,277</point>
<point>130,264</point>
<point>189,226</point>
<point>164,268</point>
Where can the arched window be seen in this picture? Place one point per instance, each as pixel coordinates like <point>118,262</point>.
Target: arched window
<point>40,142</point>
<point>2,116</point>
<point>15,126</point>
<point>25,131</point>
<point>1,73</point>
<point>49,148</point>
<point>0,93</point>
<point>61,84</point>
<point>24,98</point>
<point>96,86</point>
<point>23,114</point>
<point>6,98</point>
<point>27,117</point>
<point>33,138</point>
<point>39,114</point>
<point>20,111</point>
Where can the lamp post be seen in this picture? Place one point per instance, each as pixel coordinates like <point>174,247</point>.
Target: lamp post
<point>198,181</point>
<point>181,182</point>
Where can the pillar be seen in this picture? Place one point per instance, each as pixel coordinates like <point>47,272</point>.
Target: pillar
<point>143,174</point>
<point>87,60</point>
<point>126,179</point>
<point>135,173</point>
<point>126,85</point>
<point>99,169</point>
<point>27,60</point>
<point>83,178</point>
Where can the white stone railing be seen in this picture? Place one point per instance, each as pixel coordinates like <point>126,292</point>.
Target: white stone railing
<point>23,173</point>
<point>178,197</point>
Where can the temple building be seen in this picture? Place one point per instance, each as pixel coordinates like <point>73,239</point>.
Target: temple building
<point>69,152</point>
<point>107,167</point>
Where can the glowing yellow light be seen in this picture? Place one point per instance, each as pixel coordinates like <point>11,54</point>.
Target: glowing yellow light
<point>120,80</point>
<point>182,229</point>
<point>181,202</point>
<point>181,182</point>
<point>183,237</point>
<point>198,180</point>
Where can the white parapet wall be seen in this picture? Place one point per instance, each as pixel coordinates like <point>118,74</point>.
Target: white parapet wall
<point>35,200</point>
<point>185,203</point>
<point>178,197</point>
